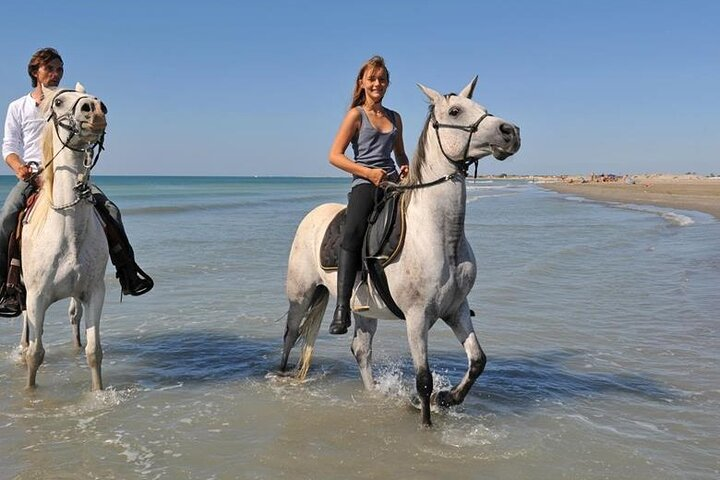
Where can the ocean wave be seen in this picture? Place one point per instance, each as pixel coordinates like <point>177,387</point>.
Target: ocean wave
<point>671,217</point>
<point>474,198</point>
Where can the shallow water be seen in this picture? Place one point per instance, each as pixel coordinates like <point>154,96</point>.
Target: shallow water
<point>600,323</point>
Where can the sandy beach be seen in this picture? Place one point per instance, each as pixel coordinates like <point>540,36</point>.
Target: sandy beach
<point>686,192</point>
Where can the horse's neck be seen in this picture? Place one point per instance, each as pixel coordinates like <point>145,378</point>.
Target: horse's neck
<point>68,166</point>
<point>441,208</point>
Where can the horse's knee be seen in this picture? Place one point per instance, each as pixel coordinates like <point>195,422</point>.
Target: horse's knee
<point>477,365</point>
<point>361,350</point>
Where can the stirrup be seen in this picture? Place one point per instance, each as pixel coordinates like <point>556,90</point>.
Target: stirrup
<point>10,304</point>
<point>134,281</point>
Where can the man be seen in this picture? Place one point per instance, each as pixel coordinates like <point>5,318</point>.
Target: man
<point>21,145</point>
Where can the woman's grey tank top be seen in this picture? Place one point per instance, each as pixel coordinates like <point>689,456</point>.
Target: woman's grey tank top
<point>372,148</point>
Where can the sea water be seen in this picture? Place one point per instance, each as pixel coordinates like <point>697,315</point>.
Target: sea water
<point>599,321</point>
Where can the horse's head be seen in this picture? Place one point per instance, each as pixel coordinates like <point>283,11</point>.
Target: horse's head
<point>466,131</point>
<point>78,118</point>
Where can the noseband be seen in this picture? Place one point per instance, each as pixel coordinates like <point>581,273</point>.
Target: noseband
<point>465,161</point>
<point>67,122</point>
<point>464,164</point>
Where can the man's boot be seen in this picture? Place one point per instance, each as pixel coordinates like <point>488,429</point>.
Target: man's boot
<point>347,270</point>
<point>12,292</point>
<point>133,280</point>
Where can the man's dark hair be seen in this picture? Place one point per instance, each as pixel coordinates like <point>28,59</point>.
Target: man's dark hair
<point>39,58</point>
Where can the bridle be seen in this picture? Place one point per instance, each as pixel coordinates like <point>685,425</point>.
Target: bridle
<point>68,122</point>
<point>472,128</point>
<point>462,165</point>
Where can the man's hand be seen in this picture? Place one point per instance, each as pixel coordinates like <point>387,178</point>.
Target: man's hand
<point>23,172</point>
<point>404,170</point>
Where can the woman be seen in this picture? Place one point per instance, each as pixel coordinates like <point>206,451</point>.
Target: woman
<point>375,132</point>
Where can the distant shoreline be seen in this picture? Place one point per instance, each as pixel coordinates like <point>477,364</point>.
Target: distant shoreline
<point>685,192</point>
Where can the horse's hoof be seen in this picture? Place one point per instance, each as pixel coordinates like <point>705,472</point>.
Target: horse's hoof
<point>442,399</point>
<point>279,374</point>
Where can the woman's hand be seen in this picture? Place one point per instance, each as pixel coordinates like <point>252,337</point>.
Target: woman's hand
<point>376,176</point>
<point>404,170</point>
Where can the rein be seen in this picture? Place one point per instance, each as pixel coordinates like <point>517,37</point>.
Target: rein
<point>461,166</point>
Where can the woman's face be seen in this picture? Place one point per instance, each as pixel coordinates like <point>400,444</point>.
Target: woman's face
<point>50,74</point>
<point>375,83</point>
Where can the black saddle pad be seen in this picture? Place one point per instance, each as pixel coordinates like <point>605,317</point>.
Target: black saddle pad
<point>332,239</point>
<point>384,238</point>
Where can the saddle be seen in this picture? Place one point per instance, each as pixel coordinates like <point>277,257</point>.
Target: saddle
<point>383,242</point>
<point>13,284</point>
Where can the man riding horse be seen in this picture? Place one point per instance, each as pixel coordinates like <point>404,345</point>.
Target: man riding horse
<point>21,150</point>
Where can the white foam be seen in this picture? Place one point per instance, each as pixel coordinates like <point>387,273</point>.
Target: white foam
<point>677,219</point>
<point>671,217</point>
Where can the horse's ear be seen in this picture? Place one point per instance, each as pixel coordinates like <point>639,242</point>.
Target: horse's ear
<point>79,87</point>
<point>467,92</point>
<point>431,94</point>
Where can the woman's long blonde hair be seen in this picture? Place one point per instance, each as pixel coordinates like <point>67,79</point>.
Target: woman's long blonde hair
<point>375,62</point>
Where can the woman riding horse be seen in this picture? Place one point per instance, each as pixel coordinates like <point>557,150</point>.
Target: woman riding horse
<point>375,132</point>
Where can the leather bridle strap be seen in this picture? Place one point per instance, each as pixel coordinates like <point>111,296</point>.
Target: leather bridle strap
<point>465,161</point>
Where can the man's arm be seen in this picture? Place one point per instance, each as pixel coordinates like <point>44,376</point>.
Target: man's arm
<point>12,145</point>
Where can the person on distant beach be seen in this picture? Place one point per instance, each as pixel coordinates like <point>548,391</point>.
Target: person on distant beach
<point>374,132</point>
<point>21,148</point>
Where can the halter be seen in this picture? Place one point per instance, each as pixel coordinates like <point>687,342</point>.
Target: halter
<point>67,121</point>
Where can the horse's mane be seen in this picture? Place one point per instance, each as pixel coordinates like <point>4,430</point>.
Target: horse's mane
<point>415,175</point>
<point>48,173</point>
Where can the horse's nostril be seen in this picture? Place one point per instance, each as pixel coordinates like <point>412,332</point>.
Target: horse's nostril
<point>85,107</point>
<point>507,129</point>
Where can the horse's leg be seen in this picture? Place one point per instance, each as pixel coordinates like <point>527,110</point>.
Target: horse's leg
<point>24,342</point>
<point>361,348</point>
<point>34,354</point>
<point>295,314</point>
<point>417,332</point>
<point>93,349</point>
<point>75,313</point>
<point>461,325</point>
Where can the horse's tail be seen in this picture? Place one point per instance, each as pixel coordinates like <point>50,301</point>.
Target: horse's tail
<point>309,328</point>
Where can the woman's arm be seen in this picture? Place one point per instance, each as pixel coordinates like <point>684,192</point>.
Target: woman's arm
<point>348,128</point>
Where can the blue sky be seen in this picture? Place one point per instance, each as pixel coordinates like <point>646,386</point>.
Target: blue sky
<point>259,88</point>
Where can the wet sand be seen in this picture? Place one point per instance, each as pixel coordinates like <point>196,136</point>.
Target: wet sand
<point>683,192</point>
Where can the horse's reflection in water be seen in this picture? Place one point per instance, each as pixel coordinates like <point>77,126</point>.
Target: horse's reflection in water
<point>433,274</point>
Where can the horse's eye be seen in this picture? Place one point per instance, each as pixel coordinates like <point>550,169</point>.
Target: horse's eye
<point>454,111</point>
<point>58,102</point>
<point>103,108</point>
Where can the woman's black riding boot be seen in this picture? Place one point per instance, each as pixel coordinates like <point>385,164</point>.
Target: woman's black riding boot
<point>347,270</point>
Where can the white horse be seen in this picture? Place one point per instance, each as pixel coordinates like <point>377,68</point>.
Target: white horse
<point>64,248</point>
<point>434,272</point>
